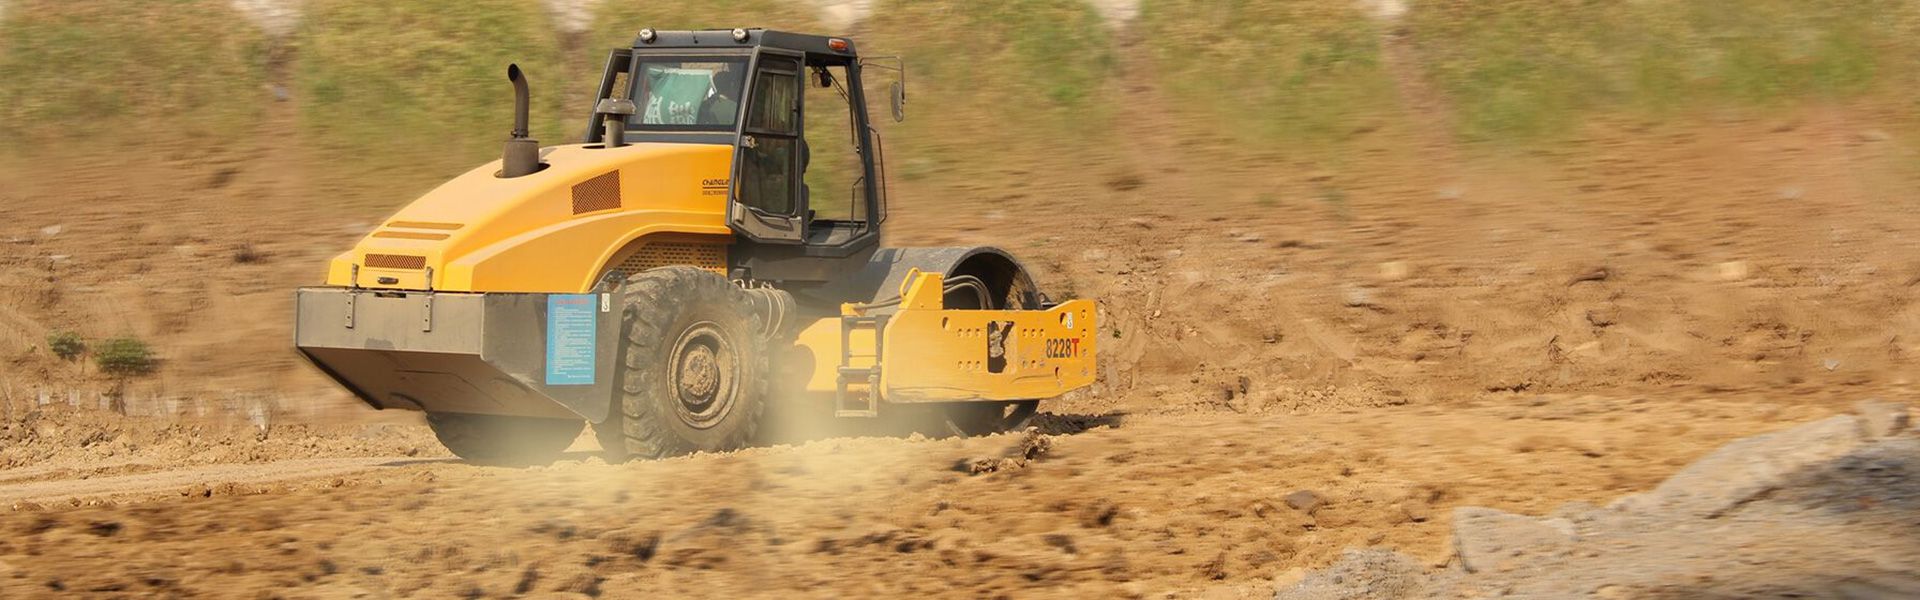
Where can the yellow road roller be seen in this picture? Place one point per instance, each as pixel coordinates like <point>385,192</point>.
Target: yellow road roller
<point>708,257</point>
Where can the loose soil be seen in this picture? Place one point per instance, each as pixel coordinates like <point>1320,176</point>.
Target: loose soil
<point>1117,506</point>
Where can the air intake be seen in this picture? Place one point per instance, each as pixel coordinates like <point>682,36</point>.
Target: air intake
<point>599,193</point>
<point>712,257</point>
<point>396,261</point>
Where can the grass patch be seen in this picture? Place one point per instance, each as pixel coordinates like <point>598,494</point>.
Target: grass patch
<point>989,82</point>
<point>1287,72</point>
<point>1525,68</point>
<point>425,80</point>
<point>114,71</point>
<point>1032,62</point>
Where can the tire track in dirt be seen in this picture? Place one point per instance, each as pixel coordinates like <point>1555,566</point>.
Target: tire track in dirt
<point>174,480</point>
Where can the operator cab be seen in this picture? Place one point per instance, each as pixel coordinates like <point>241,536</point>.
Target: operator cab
<point>804,183</point>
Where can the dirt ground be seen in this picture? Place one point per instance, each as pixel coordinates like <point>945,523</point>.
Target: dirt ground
<point>1401,328</point>
<point>1196,505</point>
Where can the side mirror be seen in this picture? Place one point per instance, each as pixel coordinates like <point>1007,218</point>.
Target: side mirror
<point>898,94</point>
<point>899,97</point>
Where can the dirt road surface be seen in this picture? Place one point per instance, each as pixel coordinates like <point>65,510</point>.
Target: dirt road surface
<point>1200,504</point>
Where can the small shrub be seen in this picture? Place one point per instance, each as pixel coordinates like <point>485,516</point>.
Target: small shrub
<point>124,356</point>
<point>66,344</point>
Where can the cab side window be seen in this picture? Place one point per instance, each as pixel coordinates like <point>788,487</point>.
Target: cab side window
<point>770,152</point>
<point>834,174</point>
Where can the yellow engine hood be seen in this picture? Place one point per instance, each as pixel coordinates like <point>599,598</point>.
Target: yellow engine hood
<point>552,231</point>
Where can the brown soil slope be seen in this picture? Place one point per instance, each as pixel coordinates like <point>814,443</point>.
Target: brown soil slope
<point>1727,256</point>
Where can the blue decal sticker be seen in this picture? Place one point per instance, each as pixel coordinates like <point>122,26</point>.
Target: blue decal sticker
<point>570,338</point>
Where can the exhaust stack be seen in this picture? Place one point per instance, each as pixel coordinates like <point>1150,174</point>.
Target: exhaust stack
<point>522,154</point>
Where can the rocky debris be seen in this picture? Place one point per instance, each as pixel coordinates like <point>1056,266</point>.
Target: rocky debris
<point>1416,512</point>
<point>1306,501</point>
<point>1590,274</point>
<point>1360,575</point>
<point>1823,510</point>
<point>1880,419</point>
<point>1031,447</point>
<point>78,437</point>
<point>1100,513</point>
<point>1600,317</point>
<point>637,542</point>
<point>1484,538</point>
<point>1358,297</point>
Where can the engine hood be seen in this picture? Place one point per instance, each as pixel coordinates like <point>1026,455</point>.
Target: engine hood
<point>550,231</point>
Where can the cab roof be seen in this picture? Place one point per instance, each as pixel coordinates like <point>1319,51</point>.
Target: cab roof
<point>724,38</point>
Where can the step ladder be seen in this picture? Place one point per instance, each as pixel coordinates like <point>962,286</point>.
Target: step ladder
<point>864,402</point>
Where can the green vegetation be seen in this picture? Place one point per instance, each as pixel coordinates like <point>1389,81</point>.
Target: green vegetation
<point>66,344</point>
<point>1028,62</point>
<point>425,79</point>
<point>1524,68</point>
<point>990,82</point>
<point>124,356</point>
<point>416,87</point>
<point>113,71</point>
<point>1287,72</point>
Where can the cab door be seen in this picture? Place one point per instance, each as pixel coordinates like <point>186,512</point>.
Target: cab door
<point>768,203</point>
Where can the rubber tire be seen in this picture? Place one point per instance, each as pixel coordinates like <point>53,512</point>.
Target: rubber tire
<point>659,306</point>
<point>502,440</point>
<point>971,419</point>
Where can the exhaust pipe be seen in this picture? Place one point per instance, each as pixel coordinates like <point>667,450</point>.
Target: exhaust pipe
<point>522,154</point>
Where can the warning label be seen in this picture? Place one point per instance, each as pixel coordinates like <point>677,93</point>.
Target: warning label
<point>571,324</point>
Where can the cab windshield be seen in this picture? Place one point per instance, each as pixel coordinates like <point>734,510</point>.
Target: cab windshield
<point>694,94</point>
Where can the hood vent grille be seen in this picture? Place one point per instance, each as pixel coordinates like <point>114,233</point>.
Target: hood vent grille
<point>396,261</point>
<point>599,193</point>
<point>712,257</point>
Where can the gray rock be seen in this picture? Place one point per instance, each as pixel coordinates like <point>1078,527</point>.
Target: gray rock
<point>1577,512</point>
<point>1358,575</point>
<point>1486,538</point>
<point>1306,501</point>
<point>1747,468</point>
<point>1630,503</point>
<point>1881,419</point>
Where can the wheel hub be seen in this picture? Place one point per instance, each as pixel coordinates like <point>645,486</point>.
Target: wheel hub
<point>699,374</point>
<point>704,372</point>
